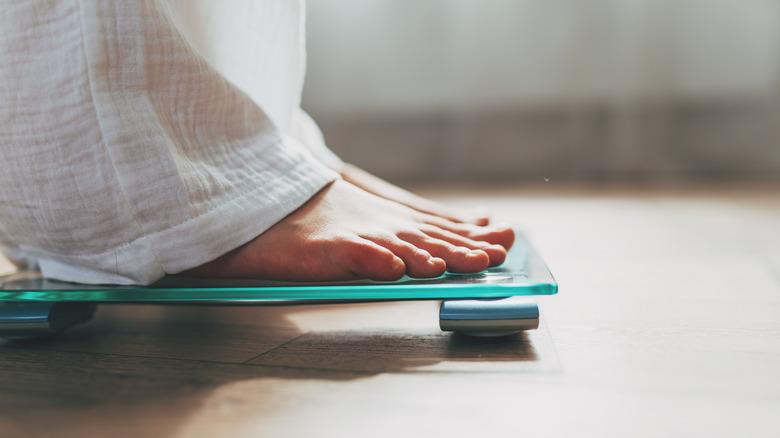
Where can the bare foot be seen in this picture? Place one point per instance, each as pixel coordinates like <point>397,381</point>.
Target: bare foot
<point>384,189</point>
<point>473,224</point>
<point>346,233</point>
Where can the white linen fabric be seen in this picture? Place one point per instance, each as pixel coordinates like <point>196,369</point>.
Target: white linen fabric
<point>141,138</point>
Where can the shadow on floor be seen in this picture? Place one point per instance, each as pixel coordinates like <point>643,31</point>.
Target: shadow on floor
<point>159,363</point>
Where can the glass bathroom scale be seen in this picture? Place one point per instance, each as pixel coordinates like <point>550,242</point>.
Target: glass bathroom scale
<point>494,302</point>
<point>523,273</point>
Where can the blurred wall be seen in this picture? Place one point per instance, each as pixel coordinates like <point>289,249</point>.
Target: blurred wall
<point>567,89</point>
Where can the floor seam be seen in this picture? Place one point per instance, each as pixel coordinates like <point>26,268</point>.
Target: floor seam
<point>273,349</point>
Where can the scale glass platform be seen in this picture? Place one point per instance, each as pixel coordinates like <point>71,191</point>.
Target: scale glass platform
<point>26,297</point>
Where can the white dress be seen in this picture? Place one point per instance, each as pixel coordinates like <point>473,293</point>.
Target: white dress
<point>141,138</point>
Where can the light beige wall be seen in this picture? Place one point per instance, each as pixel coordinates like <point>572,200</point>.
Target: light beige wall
<point>578,88</point>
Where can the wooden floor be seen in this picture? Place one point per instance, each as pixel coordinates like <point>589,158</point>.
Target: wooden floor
<point>667,324</point>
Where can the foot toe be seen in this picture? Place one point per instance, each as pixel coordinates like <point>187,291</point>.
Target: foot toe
<point>496,253</point>
<point>419,262</point>
<point>466,260</point>
<point>501,234</point>
<point>458,258</point>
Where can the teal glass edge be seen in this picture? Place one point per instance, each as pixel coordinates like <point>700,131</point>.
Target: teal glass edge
<point>523,273</point>
<point>373,292</point>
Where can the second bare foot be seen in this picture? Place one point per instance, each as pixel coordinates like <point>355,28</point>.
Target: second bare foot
<point>384,189</point>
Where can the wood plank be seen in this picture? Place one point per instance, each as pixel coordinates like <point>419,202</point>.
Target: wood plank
<point>404,351</point>
<point>201,333</point>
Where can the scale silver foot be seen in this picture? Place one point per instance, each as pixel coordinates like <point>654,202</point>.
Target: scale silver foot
<point>489,317</point>
<point>30,320</point>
